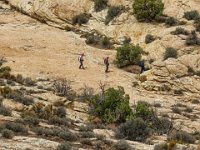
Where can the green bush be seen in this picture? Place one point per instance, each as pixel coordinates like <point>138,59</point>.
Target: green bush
<point>87,134</point>
<point>7,134</point>
<point>192,39</point>
<point>191,15</point>
<point>5,111</point>
<point>60,112</point>
<point>128,54</point>
<point>171,21</point>
<point>136,130</point>
<point>113,12</point>
<point>100,5</point>
<point>68,136</point>
<point>143,110</point>
<point>86,141</point>
<point>16,127</point>
<point>149,38</point>
<point>148,10</point>
<point>180,30</point>
<point>64,146</point>
<point>105,42</point>
<point>170,53</point>
<point>59,121</point>
<point>32,121</point>
<point>80,19</point>
<point>122,145</point>
<point>113,106</point>
<point>182,136</point>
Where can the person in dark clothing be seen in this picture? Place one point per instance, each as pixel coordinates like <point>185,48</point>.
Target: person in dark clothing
<point>81,59</point>
<point>106,62</point>
<point>142,66</point>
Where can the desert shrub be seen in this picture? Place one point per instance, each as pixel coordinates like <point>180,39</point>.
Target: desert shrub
<point>192,39</point>
<point>5,111</point>
<point>161,146</point>
<point>32,121</point>
<point>188,109</point>
<point>149,38</point>
<point>180,30</point>
<point>68,136</point>
<point>105,42</point>
<point>100,5</point>
<point>7,134</point>
<point>92,39</point>
<point>191,15</point>
<point>148,10</point>
<point>198,26</point>
<point>197,73</point>
<point>29,82</point>
<point>80,19</point>
<point>59,121</point>
<point>2,82</point>
<point>195,101</point>
<point>113,12</point>
<point>87,134</point>
<point>176,110</point>
<point>16,127</point>
<point>136,130</point>
<point>182,136</point>
<point>179,105</point>
<point>47,132</point>
<point>157,105</point>
<point>87,93</point>
<point>63,88</point>
<point>178,92</point>
<point>60,112</point>
<point>86,128</point>
<point>59,103</point>
<point>64,146</point>
<point>161,125</point>
<point>42,111</point>
<point>112,106</point>
<point>170,53</point>
<point>122,145</point>
<point>171,21</point>
<point>143,110</point>
<point>86,141</point>
<point>128,54</point>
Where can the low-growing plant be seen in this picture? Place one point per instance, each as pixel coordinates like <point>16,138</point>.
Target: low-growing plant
<point>87,134</point>
<point>122,145</point>
<point>32,121</point>
<point>191,15</point>
<point>136,130</point>
<point>149,38</point>
<point>128,54</point>
<point>87,93</point>
<point>81,19</point>
<point>100,5</point>
<point>113,12</point>
<point>161,146</point>
<point>171,21</point>
<point>68,136</point>
<point>7,134</point>
<point>16,127</point>
<point>192,39</point>
<point>176,110</point>
<point>105,42</point>
<point>182,136</point>
<point>59,121</point>
<point>5,111</point>
<point>195,101</point>
<point>170,53</point>
<point>86,141</point>
<point>188,109</point>
<point>60,112</point>
<point>180,30</point>
<point>64,146</point>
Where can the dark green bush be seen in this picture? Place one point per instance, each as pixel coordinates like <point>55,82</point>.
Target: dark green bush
<point>113,106</point>
<point>128,54</point>
<point>16,127</point>
<point>149,38</point>
<point>191,15</point>
<point>32,121</point>
<point>80,19</point>
<point>86,141</point>
<point>59,121</point>
<point>122,145</point>
<point>86,128</point>
<point>48,132</point>
<point>113,12</point>
<point>192,39</point>
<point>68,136</point>
<point>60,112</point>
<point>182,136</point>
<point>100,5</point>
<point>136,130</point>
<point>148,10</point>
<point>105,42</point>
<point>143,110</point>
<point>180,30</point>
<point>64,146</point>
<point>7,134</point>
<point>92,40</point>
<point>171,21</point>
<point>5,111</point>
<point>87,134</point>
<point>170,53</point>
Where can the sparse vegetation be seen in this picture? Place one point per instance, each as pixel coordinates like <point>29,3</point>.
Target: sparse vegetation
<point>192,39</point>
<point>148,10</point>
<point>191,15</point>
<point>121,145</point>
<point>176,110</point>
<point>149,38</point>
<point>161,146</point>
<point>81,19</point>
<point>59,121</point>
<point>5,111</point>
<point>128,54</point>
<point>105,42</point>
<point>16,127</point>
<point>113,12</point>
<point>170,53</point>
<point>100,5</point>
<point>171,21</point>
<point>64,146</point>
<point>180,30</point>
<point>7,134</point>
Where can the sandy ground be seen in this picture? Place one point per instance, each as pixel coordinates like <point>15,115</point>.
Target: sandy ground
<point>39,51</point>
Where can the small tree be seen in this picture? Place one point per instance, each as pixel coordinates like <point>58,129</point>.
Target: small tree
<point>148,9</point>
<point>128,54</point>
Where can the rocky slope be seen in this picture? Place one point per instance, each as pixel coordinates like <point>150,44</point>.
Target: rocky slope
<point>36,46</point>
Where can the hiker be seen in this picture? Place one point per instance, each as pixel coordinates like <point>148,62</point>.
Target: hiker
<point>106,62</point>
<point>142,66</point>
<point>81,59</point>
